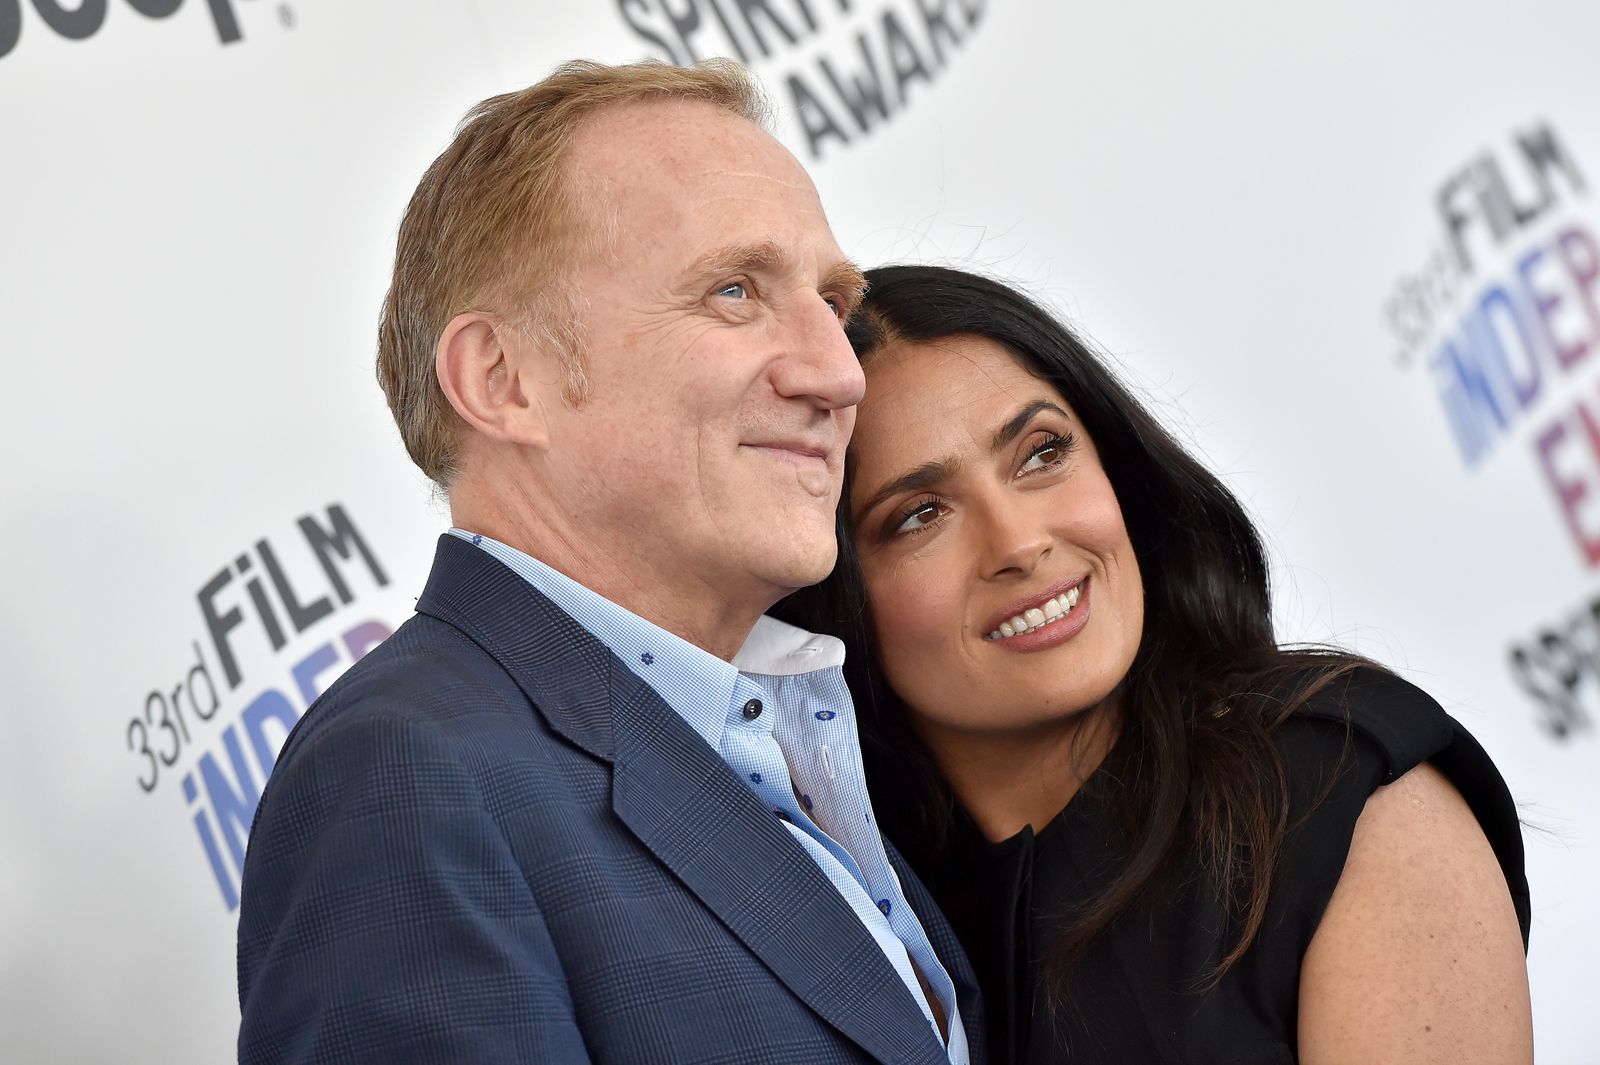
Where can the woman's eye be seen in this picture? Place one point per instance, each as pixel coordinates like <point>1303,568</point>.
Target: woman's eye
<point>920,517</point>
<point>1047,454</point>
<point>734,290</point>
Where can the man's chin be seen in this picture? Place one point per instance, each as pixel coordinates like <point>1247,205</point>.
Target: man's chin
<point>797,568</point>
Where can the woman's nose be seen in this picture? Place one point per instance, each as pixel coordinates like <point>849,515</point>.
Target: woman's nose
<point>1017,542</point>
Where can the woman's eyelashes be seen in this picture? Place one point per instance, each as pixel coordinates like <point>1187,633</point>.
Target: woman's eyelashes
<point>1049,452</point>
<point>917,517</point>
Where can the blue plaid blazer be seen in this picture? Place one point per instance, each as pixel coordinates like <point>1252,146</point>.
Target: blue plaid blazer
<point>490,841</point>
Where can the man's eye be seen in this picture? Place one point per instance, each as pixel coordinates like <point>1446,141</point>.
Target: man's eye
<point>734,290</point>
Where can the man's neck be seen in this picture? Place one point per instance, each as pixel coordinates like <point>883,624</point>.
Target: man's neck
<point>694,608</point>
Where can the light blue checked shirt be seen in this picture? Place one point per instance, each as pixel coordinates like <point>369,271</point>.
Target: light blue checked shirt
<point>800,753</point>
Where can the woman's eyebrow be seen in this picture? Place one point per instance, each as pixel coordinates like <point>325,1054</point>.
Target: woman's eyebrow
<point>923,477</point>
<point>1018,421</point>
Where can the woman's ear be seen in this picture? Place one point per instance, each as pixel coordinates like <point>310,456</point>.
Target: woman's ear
<point>490,376</point>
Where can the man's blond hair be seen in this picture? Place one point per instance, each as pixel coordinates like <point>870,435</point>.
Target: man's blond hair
<point>493,222</point>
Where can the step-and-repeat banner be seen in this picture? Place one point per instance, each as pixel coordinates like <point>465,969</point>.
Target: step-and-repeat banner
<point>1351,252</point>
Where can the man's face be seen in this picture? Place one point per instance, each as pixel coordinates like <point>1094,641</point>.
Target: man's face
<point>707,455</point>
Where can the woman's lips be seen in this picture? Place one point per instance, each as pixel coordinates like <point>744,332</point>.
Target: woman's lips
<point>1054,619</point>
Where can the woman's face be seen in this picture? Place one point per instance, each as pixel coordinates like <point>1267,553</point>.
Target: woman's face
<point>1004,591</point>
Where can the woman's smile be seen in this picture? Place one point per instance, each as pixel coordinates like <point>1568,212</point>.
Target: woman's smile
<point>983,519</point>
<point>1051,619</point>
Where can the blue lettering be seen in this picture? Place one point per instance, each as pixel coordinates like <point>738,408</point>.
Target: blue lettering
<point>233,804</point>
<point>1494,334</point>
<point>270,705</point>
<point>208,840</point>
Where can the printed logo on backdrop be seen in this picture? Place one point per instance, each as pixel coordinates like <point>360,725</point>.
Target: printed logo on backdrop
<point>85,18</point>
<point>276,625</point>
<point>846,68</point>
<point>1503,319</point>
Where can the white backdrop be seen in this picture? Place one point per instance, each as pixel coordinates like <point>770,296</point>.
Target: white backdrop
<point>1350,252</point>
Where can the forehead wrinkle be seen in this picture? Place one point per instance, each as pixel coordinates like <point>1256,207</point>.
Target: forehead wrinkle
<point>758,175</point>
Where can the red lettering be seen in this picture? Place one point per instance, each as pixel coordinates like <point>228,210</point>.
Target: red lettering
<point>1572,488</point>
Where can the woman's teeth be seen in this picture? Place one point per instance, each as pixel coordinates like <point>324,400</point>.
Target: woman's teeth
<point>1038,617</point>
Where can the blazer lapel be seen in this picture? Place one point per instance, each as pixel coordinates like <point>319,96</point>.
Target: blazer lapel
<point>686,806</point>
<point>729,848</point>
<point>945,944</point>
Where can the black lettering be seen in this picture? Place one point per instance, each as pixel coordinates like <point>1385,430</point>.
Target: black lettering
<point>146,786</point>
<point>1520,213</point>
<point>1406,315</point>
<point>727,29</point>
<point>177,711</point>
<point>1561,712</point>
<point>227,24</point>
<point>10,25</point>
<point>199,670</point>
<point>74,25</point>
<point>749,9</point>
<point>973,9</point>
<point>155,8</point>
<point>1542,151</point>
<point>904,59</point>
<point>935,18</point>
<point>862,93</point>
<point>301,617</point>
<point>264,611</point>
<point>814,118</point>
<point>219,625</point>
<point>684,24</point>
<point>338,538</point>
<point>166,722</point>
<point>1454,220</point>
<point>1495,198</point>
<point>629,9</point>
<point>804,7</point>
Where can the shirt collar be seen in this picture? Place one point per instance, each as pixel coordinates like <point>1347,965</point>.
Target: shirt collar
<point>695,683</point>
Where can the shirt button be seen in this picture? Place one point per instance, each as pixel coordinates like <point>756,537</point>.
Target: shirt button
<point>752,710</point>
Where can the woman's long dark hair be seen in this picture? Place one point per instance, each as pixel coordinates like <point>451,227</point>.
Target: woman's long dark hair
<point>1195,763</point>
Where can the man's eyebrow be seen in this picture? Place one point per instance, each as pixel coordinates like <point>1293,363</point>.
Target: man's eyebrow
<point>1018,421</point>
<point>848,281</point>
<point>738,258</point>
<point>923,477</point>
<point>845,277</point>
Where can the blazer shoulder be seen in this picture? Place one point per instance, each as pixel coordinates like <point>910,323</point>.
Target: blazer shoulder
<point>426,678</point>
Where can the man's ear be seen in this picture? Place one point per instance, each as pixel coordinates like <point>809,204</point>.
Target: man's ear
<point>490,378</point>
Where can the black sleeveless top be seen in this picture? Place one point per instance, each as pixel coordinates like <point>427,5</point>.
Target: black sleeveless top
<point>1132,997</point>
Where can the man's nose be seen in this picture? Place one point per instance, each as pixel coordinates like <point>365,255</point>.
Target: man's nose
<point>819,364</point>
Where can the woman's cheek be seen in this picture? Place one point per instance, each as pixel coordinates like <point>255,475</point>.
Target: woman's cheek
<point>913,616</point>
